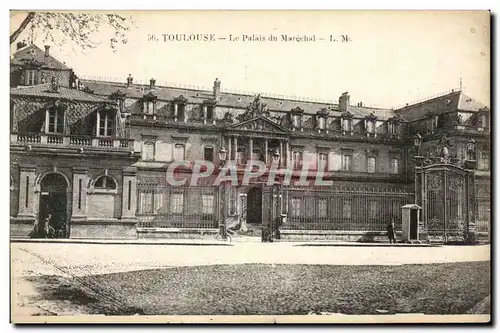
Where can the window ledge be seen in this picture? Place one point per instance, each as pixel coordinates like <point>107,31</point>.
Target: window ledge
<point>102,191</point>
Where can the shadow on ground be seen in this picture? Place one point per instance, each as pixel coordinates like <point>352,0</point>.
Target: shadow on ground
<point>257,289</point>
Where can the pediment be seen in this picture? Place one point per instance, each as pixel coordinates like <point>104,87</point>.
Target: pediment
<point>260,124</point>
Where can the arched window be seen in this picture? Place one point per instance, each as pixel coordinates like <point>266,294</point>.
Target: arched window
<point>105,183</point>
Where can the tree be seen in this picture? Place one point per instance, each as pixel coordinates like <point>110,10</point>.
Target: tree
<point>79,27</point>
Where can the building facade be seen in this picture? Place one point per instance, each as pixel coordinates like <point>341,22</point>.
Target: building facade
<point>94,154</point>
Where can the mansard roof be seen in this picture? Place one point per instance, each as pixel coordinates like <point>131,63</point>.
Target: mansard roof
<point>33,54</point>
<point>234,100</point>
<point>45,91</point>
<point>453,101</point>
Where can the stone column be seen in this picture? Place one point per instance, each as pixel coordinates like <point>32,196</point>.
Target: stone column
<point>176,111</point>
<point>229,150</point>
<point>236,148</point>
<point>129,194</point>
<point>204,114</point>
<point>26,191</point>
<point>266,152</point>
<point>251,149</point>
<point>79,206</point>
<point>280,164</point>
<point>47,121</point>
<point>98,124</point>
<point>288,155</point>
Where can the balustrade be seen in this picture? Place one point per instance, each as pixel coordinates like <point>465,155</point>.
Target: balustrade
<point>71,140</point>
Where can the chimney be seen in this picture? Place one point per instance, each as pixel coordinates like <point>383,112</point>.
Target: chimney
<point>216,89</point>
<point>152,83</point>
<point>47,48</point>
<point>20,45</point>
<point>130,79</point>
<point>344,102</point>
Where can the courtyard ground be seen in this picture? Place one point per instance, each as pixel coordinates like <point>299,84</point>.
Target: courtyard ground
<point>253,278</point>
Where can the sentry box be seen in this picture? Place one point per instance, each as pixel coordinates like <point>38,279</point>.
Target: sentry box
<point>410,222</point>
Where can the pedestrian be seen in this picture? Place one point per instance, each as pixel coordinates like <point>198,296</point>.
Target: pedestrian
<point>391,232</point>
<point>35,233</point>
<point>47,228</point>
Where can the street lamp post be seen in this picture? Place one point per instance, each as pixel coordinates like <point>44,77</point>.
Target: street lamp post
<point>222,196</point>
<point>417,143</point>
<point>470,161</point>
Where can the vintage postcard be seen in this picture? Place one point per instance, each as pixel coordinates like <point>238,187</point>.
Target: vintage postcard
<point>250,166</point>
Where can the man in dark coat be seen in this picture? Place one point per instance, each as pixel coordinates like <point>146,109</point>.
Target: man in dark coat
<point>391,232</point>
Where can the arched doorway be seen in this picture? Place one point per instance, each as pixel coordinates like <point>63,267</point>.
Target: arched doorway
<point>54,204</point>
<point>254,206</point>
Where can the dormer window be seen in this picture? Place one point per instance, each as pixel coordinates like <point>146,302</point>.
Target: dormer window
<point>105,123</point>
<point>321,117</point>
<point>209,111</point>
<point>482,121</point>
<point>346,120</point>
<point>370,124</point>
<point>393,126</point>
<point>31,77</point>
<point>54,120</point>
<point>180,109</point>
<point>297,118</point>
<point>149,103</point>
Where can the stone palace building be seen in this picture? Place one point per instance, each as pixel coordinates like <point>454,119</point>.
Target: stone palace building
<point>94,155</point>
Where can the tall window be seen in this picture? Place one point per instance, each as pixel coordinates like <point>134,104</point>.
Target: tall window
<point>148,151</point>
<point>370,127</point>
<point>158,201</point>
<point>483,121</point>
<point>297,159</point>
<point>394,167</point>
<point>208,154</point>
<point>179,152</point>
<point>207,204</point>
<point>146,202</point>
<point>321,123</point>
<point>30,77</point>
<point>177,203</point>
<point>295,207</point>
<point>484,160</point>
<point>347,124</point>
<point>181,110</point>
<point>346,160</point>
<point>297,120</point>
<point>149,107</point>
<point>105,123</point>
<point>210,112</point>
<point>56,120</point>
<point>371,164</point>
<point>322,161</point>
<point>346,209</point>
<point>321,207</point>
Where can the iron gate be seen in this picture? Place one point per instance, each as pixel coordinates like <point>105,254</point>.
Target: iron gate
<point>447,197</point>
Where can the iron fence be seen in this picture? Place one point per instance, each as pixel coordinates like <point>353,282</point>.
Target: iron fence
<point>189,207</point>
<point>348,209</point>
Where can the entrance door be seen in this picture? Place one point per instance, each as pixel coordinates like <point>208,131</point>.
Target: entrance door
<point>413,223</point>
<point>254,206</point>
<point>53,203</point>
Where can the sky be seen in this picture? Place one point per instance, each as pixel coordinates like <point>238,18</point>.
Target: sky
<point>392,58</point>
